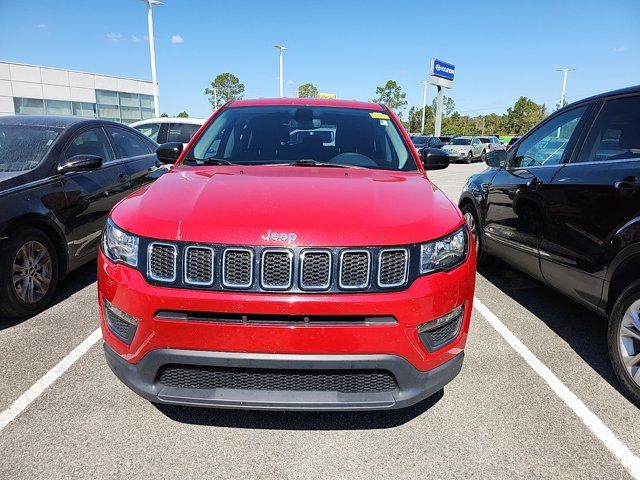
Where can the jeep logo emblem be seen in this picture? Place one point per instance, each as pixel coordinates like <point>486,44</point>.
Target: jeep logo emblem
<point>283,237</point>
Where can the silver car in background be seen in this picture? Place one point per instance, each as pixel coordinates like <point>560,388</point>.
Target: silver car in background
<point>492,143</point>
<point>466,149</point>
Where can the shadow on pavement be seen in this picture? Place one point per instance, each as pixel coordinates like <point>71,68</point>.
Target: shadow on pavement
<point>584,330</point>
<point>273,420</point>
<point>72,284</point>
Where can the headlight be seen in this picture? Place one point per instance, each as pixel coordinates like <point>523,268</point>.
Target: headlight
<point>444,253</point>
<point>119,245</point>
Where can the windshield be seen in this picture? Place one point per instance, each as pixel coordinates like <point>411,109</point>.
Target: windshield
<point>23,147</point>
<point>286,134</point>
<point>419,140</point>
<point>461,141</point>
<point>486,139</point>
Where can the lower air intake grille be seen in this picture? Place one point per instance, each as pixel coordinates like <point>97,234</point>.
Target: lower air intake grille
<point>443,334</point>
<point>354,269</point>
<point>162,262</point>
<point>393,268</point>
<point>237,270</point>
<point>345,381</point>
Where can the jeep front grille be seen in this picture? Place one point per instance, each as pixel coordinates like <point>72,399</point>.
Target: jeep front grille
<point>237,268</point>
<point>392,267</point>
<point>355,266</point>
<point>161,262</point>
<point>279,269</point>
<point>276,269</point>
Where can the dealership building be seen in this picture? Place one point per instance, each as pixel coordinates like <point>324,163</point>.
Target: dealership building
<point>34,90</point>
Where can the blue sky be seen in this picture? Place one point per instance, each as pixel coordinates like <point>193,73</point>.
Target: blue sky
<point>501,49</point>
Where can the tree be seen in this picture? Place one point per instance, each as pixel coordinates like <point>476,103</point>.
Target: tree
<point>164,115</point>
<point>392,96</point>
<point>228,88</point>
<point>524,115</point>
<point>448,106</point>
<point>415,120</point>
<point>183,114</point>
<point>308,90</point>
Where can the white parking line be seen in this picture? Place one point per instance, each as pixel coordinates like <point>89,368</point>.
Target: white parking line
<point>628,459</point>
<point>51,376</point>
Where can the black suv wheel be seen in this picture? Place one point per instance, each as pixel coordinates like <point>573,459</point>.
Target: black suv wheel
<point>471,217</point>
<point>624,340</point>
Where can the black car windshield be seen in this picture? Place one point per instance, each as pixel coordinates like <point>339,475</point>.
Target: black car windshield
<point>23,147</point>
<point>263,135</point>
<point>461,141</point>
<point>420,140</point>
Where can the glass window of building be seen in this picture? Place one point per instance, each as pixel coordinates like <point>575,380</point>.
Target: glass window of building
<point>57,107</point>
<point>28,106</point>
<point>84,109</point>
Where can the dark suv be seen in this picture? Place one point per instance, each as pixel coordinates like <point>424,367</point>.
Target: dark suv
<point>563,205</point>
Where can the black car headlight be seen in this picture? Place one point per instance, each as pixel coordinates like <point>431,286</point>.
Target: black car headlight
<point>120,246</point>
<point>444,253</point>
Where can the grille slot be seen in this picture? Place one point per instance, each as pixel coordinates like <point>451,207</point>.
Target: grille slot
<point>273,319</point>
<point>393,267</point>
<point>276,269</point>
<point>355,267</point>
<point>161,262</point>
<point>442,335</point>
<point>237,268</point>
<point>315,270</point>
<point>344,381</point>
<point>198,265</point>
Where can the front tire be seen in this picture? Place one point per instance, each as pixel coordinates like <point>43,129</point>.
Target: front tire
<point>469,158</point>
<point>471,219</point>
<point>28,273</point>
<point>624,340</point>
<point>483,157</point>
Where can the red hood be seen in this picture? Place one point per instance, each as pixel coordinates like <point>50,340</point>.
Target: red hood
<point>321,206</point>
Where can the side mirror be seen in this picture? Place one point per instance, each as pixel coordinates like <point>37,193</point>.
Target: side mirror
<point>80,163</point>
<point>496,158</point>
<point>434,159</point>
<point>169,152</point>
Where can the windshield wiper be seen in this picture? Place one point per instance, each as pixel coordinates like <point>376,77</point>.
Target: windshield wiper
<point>308,162</point>
<point>216,161</point>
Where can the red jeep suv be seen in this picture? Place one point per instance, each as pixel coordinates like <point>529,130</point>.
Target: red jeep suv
<point>295,257</point>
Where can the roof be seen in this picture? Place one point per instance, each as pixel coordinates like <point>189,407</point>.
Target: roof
<point>47,120</point>
<point>75,71</point>
<point>620,91</point>
<point>189,120</point>
<point>308,102</point>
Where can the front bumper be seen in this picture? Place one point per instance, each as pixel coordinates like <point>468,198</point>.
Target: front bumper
<point>412,384</point>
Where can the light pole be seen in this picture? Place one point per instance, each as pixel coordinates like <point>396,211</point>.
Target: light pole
<point>282,48</point>
<point>424,105</point>
<point>563,97</point>
<point>152,52</point>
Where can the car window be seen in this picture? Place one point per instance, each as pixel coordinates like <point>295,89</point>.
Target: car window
<point>485,140</point>
<point>90,142</point>
<point>615,134</point>
<point>460,141</point>
<point>150,130</point>
<point>23,147</point>
<point>546,145</point>
<point>181,132</point>
<point>127,144</point>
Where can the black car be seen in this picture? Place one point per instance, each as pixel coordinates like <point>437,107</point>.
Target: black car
<point>563,205</point>
<point>420,141</point>
<point>59,178</point>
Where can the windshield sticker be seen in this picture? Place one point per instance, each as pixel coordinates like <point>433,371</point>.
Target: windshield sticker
<point>379,115</point>
<point>384,123</point>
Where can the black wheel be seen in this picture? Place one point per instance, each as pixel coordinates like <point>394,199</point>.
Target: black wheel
<point>471,218</point>
<point>624,340</point>
<point>483,157</point>
<point>469,158</point>
<point>28,273</point>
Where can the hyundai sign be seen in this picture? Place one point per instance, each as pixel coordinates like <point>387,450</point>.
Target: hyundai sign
<point>442,69</point>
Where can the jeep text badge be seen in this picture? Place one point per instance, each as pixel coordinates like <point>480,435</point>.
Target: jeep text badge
<point>283,237</point>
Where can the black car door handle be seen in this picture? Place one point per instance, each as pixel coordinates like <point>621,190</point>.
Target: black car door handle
<point>627,186</point>
<point>535,182</point>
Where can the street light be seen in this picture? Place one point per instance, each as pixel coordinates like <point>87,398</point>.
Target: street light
<point>424,105</point>
<point>152,52</point>
<point>563,97</point>
<point>281,48</point>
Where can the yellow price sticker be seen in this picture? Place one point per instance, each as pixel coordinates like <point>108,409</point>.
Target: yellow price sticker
<point>379,115</point>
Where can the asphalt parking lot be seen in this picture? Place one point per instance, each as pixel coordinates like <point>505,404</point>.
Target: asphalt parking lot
<point>498,419</point>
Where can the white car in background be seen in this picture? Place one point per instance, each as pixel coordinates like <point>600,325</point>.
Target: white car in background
<point>492,143</point>
<point>169,129</point>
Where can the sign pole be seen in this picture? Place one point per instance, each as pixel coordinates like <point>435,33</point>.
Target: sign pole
<point>439,102</point>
